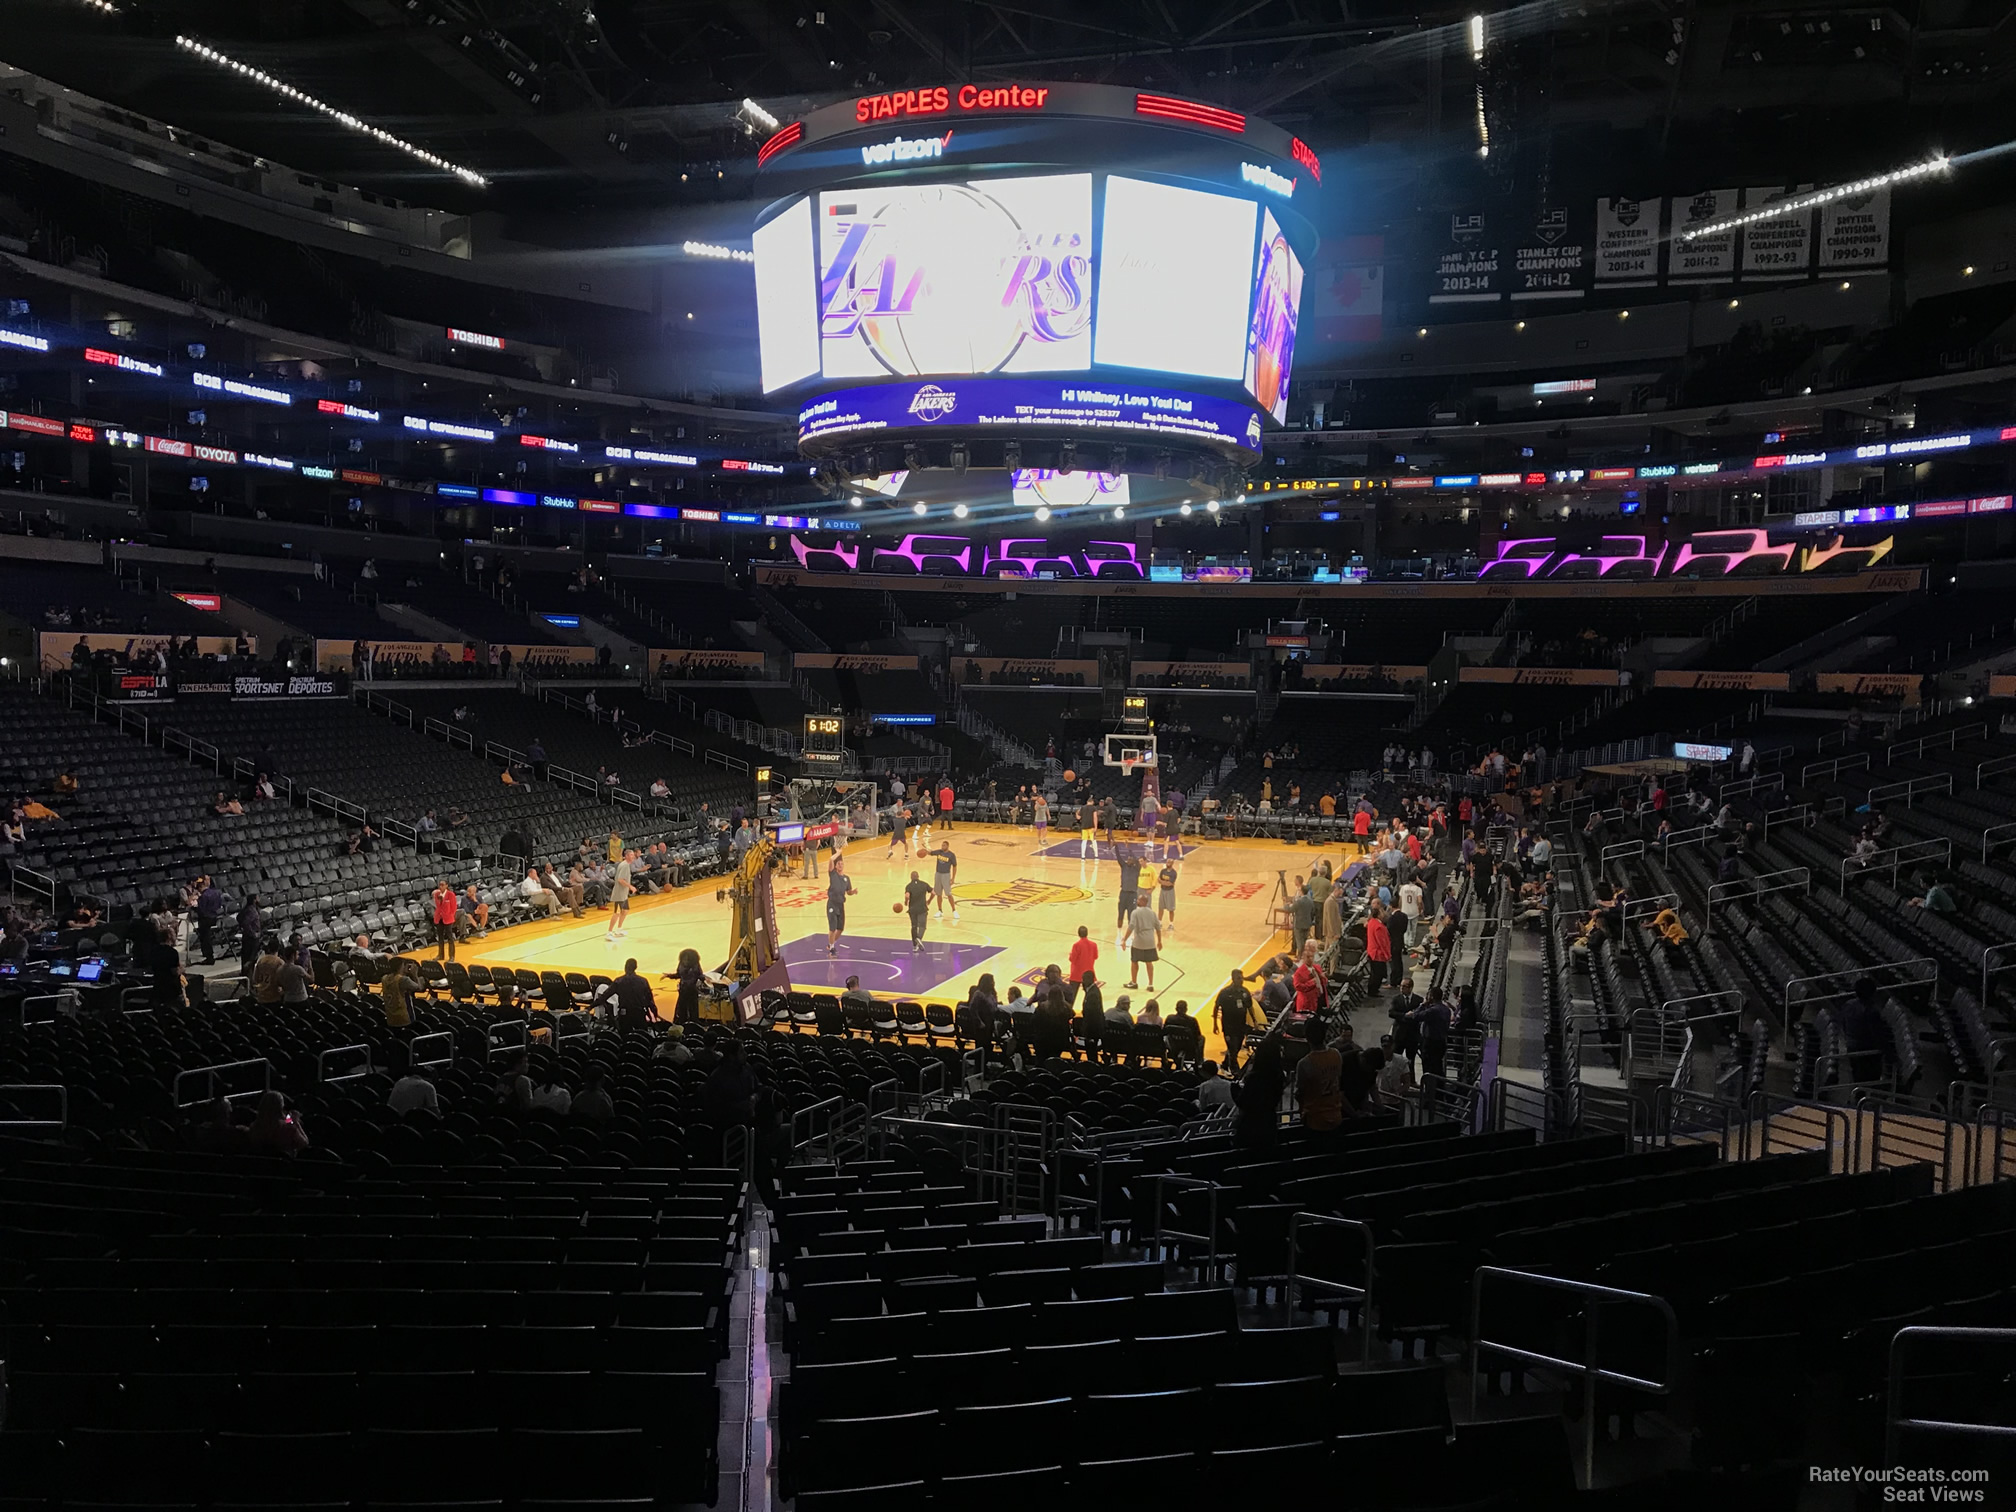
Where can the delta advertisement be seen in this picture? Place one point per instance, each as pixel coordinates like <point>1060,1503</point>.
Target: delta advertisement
<point>58,646</point>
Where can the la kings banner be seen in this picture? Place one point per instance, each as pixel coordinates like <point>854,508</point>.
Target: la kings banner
<point>1775,251</point>
<point>1467,270</point>
<point>1551,259</point>
<point>1627,243</point>
<point>1706,259</point>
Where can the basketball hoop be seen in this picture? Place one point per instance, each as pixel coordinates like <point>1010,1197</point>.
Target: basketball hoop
<point>1127,765</point>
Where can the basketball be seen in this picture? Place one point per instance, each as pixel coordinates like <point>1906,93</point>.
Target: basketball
<point>896,908</point>
<point>1069,775</point>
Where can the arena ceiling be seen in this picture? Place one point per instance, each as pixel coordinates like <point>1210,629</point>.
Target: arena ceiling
<point>560,100</point>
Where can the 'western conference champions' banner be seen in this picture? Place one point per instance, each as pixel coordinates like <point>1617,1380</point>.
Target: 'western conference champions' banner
<point>1627,243</point>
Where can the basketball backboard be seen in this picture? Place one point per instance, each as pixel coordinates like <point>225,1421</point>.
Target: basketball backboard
<point>1129,748</point>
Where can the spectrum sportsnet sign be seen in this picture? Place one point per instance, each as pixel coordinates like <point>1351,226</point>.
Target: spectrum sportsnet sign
<point>266,690</point>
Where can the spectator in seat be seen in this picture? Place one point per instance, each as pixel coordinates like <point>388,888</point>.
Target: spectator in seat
<point>575,892</point>
<point>660,789</point>
<point>275,1131</point>
<point>535,892</point>
<point>1670,929</point>
<point>1050,1024</point>
<point>412,1091</point>
<point>1935,899</point>
<point>474,915</point>
<point>1214,1091</point>
<point>227,805</point>
<point>1182,1034</point>
<point>549,1093</point>
<point>1256,1097</point>
<point>729,1097</point>
<point>293,976</point>
<point>594,1105</point>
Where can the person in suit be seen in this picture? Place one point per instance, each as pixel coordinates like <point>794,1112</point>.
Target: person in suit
<point>1092,1009</point>
<point>1406,1029</point>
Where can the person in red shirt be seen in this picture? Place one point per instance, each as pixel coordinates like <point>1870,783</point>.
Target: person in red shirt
<point>1312,993</point>
<point>444,920</point>
<point>1464,811</point>
<point>1378,949</point>
<point>1361,830</point>
<point>945,802</point>
<point>1084,957</point>
<point>1413,845</point>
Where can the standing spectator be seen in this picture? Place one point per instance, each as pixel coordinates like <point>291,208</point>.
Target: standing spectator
<point>945,800</point>
<point>1232,1016</point>
<point>1433,1019</point>
<point>1378,949</point>
<point>636,1008</point>
<point>445,901</point>
<point>1084,956</point>
<point>686,1006</point>
<point>397,992</point>
<point>1318,1088</point>
<point>250,923</point>
<point>209,909</point>
<point>265,982</point>
<point>1301,915</point>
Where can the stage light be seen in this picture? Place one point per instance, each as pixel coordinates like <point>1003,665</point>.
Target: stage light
<point>1212,506</point>
<point>958,511</point>
<point>1476,36</point>
<point>1184,509</point>
<point>759,115</point>
<point>917,509</point>
<point>1042,511</point>
<point>342,117</point>
<point>1119,514</point>
<point>853,502</point>
<point>1799,203</point>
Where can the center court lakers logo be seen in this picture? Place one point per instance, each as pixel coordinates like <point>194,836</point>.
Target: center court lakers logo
<point>1021,894</point>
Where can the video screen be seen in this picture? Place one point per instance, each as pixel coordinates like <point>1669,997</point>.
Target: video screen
<point>1270,339</point>
<point>951,279</point>
<point>1046,486</point>
<point>1175,279</point>
<point>787,336</point>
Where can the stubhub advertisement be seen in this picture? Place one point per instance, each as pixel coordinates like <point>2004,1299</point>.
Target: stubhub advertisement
<point>1008,405</point>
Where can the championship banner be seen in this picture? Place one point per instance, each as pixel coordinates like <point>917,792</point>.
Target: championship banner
<point>1627,243</point>
<point>672,661</point>
<point>1022,670</point>
<point>1542,677</point>
<point>1550,260</point>
<point>846,662</point>
<point>1314,673</point>
<point>1855,232</point>
<point>57,646</point>
<point>1347,300</point>
<point>1467,268</point>
<point>1776,250</point>
<point>1239,672</point>
<point>1733,682</point>
<point>1708,259</point>
<point>1899,685</point>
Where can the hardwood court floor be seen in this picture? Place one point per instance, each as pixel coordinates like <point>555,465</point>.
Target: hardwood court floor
<point>1019,910</point>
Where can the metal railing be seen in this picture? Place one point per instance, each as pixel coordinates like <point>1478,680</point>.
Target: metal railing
<point>1950,739</point>
<point>1589,1367</point>
<point>1992,766</point>
<point>1760,783</point>
<point>1800,877</point>
<point>1208,1242</point>
<point>339,1055</point>
<point>1784,1126</point>
<point>1895,1424</point>
<point>1682,1115</point>
<point>212,1077</point>
<point>1913,1134</point>
<point>54,1094</point>
<point>1909,789</point>
<point>815,1130</point>
<point>1939,848</point>
<point>1361,1294</point>
<point>437,1049</point>
<point>1833,767</point>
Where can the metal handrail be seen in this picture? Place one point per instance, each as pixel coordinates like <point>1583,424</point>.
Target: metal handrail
<point>1592,1374</point>
<point>1893,1420</point>
<point>1756,887</point>
<point>1993,765</point>
<point>822,1128</point>
<point>1296,1280</point>
<point>322,1063</point>
<point>1938,848</point>
<point>1210,1241</point>
<point>210,1076</point>
<point>443,1039</point>
<point>1909,789</point>
<point>1833,768</point>
<point>1762,781</point>
<point>61,1093</point>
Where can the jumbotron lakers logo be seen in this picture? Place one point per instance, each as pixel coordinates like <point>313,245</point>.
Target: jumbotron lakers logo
<point>945,279</point>
<point>1021,894</point>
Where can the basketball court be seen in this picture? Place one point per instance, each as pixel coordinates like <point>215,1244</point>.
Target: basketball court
<point>1019,911</point>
